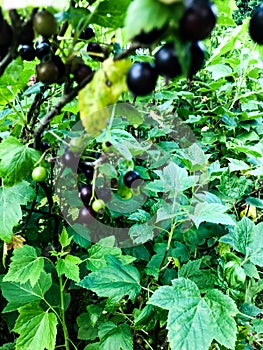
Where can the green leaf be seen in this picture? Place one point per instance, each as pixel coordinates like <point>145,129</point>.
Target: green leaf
<point>99,252</point>
<point>211,212</point>
<point>110,13</point>
<point>64,238</point>
<point>37,328</point>
<point>69,267</point>
<point>255,248</point>
<point>113,337</point>
<point>25,266</point>
<point>153,14</point>
<point>86,330</point>
<point>141,233</point>
<point>175,179</point>
<point>241,236</point>
<point>194,321</point>
<point>114,281</point>
<point>18,294</point>
<point>11,200</point>
<point>236,165</point>
<point>219,71</point>
<point>16,160</point>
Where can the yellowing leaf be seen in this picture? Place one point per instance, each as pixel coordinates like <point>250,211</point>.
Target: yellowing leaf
<point>104,90</point>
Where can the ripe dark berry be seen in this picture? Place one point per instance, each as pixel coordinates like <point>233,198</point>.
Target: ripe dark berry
<point>81,72</point>
<point>256,25</point>
<point>132,179</point>
<point>150,37</point>
<point>97,52</point>
<point>87,34</point>
<point>47,72</point>
<point>44,146</point>
<point>45,23</point>
<point>85,194</point>
<point>43,48</point>
<point>86,215</point>
<point>27,53</point>
<point>88,172</point>
<point>141,78</point>
<point>197,52</point>
<point>166,61</point>
<point>198,20</point>
<point>70,159</point>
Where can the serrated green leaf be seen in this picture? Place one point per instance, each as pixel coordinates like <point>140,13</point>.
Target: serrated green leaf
<point>175,179</point>
<point>236,165</point>
<point>141,233</point>
<point>194,321</point>
<point>211,212</point>
<point>114,281</point>
<point>241,236</point>
<point>98,254</point>
<point>113,337</point>
<point>16,160</point>
<point>11,200</point>
<point>69,267</point>
<point>107,84</point>
<point>18,294</point>
<point>37,328</point>
<point>64,238</point>
<point>25,266</point>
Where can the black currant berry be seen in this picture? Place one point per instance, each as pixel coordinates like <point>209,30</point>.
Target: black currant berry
<point>97,52</point>
<point>88,172</point>
<point>27,52</point>
<point>45,23</point>
<point>198,20</point>
<point>85,194</point>
<point>166,61</point>
<point>141,78</point>
<point>256,25</point>
<point>132,179</point>
<point>43,48</point>
<point>86,215</point>
<point>44,146</point>
<point>70,159</point>
<point>150,37</point>
<point>197,52</point>
<point>87,34</point>
<point>47,72</point>
<point>81,72</point>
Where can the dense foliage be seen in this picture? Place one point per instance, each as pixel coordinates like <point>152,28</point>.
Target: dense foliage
<point>131,176</point>
<point>244,9</point>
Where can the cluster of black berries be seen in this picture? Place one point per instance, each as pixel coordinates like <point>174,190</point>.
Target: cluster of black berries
<point>196,24</point>
<point>94,199</point>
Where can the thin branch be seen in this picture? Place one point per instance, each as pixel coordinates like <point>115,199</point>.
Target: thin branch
<point>56,109</point>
